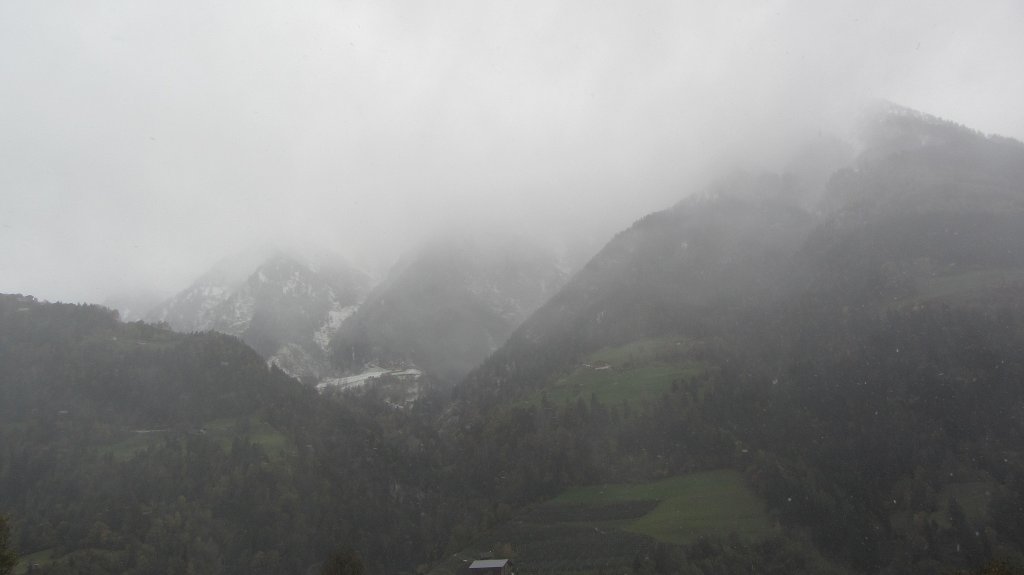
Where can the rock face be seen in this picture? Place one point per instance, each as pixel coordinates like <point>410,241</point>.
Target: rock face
<point>286,309</point>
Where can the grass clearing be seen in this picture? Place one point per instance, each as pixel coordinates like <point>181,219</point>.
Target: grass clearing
<point>41,558</point>
<point>45,559</point>
<point>603,528</point>
<point>644,369</point>
<point>705,503</point>
<point>222,431</point>
<point>612,386</point>
<point>255,429</point>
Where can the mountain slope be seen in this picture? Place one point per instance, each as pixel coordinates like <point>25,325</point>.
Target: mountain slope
<point>194,309</point>
<point>673,272</point>
<point>860,363</point>
<point>286,309</point>
<point>448,306</point>
<point>926,200</point>
<point>129,448</point>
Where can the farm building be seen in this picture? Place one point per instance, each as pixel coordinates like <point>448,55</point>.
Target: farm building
<point>491,567</point>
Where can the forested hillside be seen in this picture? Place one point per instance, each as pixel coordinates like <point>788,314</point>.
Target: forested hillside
<point>861,364</point>
<point>127,448</point>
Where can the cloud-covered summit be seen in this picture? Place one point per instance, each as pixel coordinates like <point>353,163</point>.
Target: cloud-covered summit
<point>143,141</point>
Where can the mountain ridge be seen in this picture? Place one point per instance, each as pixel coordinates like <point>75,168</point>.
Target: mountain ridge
<point>283,306</point>
<point>857,365</point>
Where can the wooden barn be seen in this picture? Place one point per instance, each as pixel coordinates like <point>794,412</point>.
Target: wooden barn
<point>491,567</point>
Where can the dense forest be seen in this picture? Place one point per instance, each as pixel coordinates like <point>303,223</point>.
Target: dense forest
<point>856,365</point>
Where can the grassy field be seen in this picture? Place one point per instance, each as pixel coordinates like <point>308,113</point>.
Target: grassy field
<point>45,559</point>
<point>644,369</point>
<point>706,503</point>
<point>613,386</point>
<point>256,430</point>
<point>603,528</point>
<point>41,558</point>
<point>222,431</point>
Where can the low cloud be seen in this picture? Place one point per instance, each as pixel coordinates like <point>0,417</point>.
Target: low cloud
<point>143,141</point>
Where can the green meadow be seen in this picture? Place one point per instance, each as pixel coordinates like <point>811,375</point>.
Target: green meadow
<point>603,528</point>
<point>222,431</point>
<point>689,506</point>
<point>644,369</point>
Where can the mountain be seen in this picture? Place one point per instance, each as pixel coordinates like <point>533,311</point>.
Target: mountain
<point>195,307</point>
<point>285,308</point>
<point>765,377</point>
<point>447,306</point>
<point>925,200</point>
<point>858,361</point>
<point>441,311</point>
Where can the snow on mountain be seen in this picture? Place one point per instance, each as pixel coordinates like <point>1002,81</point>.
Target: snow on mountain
<point>197,307</point>
<point>441,311</point>
<point>193,309</point>
<point>335,317</point>
<point>284,306</point>
<point>400,386</point>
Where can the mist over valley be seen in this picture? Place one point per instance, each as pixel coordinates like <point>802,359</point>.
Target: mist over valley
<point>545,288</point>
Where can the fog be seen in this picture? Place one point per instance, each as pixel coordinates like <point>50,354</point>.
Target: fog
<point>142,141</point>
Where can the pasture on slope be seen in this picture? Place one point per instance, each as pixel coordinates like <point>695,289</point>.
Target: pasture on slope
<point>644,369</point>
<point>224,432</point>
<point>689,506</point>
<point>600,528</point>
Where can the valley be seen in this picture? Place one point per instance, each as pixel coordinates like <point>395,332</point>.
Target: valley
<point>734,380</point>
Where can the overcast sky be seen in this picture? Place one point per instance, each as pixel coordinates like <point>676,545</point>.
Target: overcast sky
<point>140,141</point>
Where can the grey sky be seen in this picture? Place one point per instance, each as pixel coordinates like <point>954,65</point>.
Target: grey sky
<point>141,141</point>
